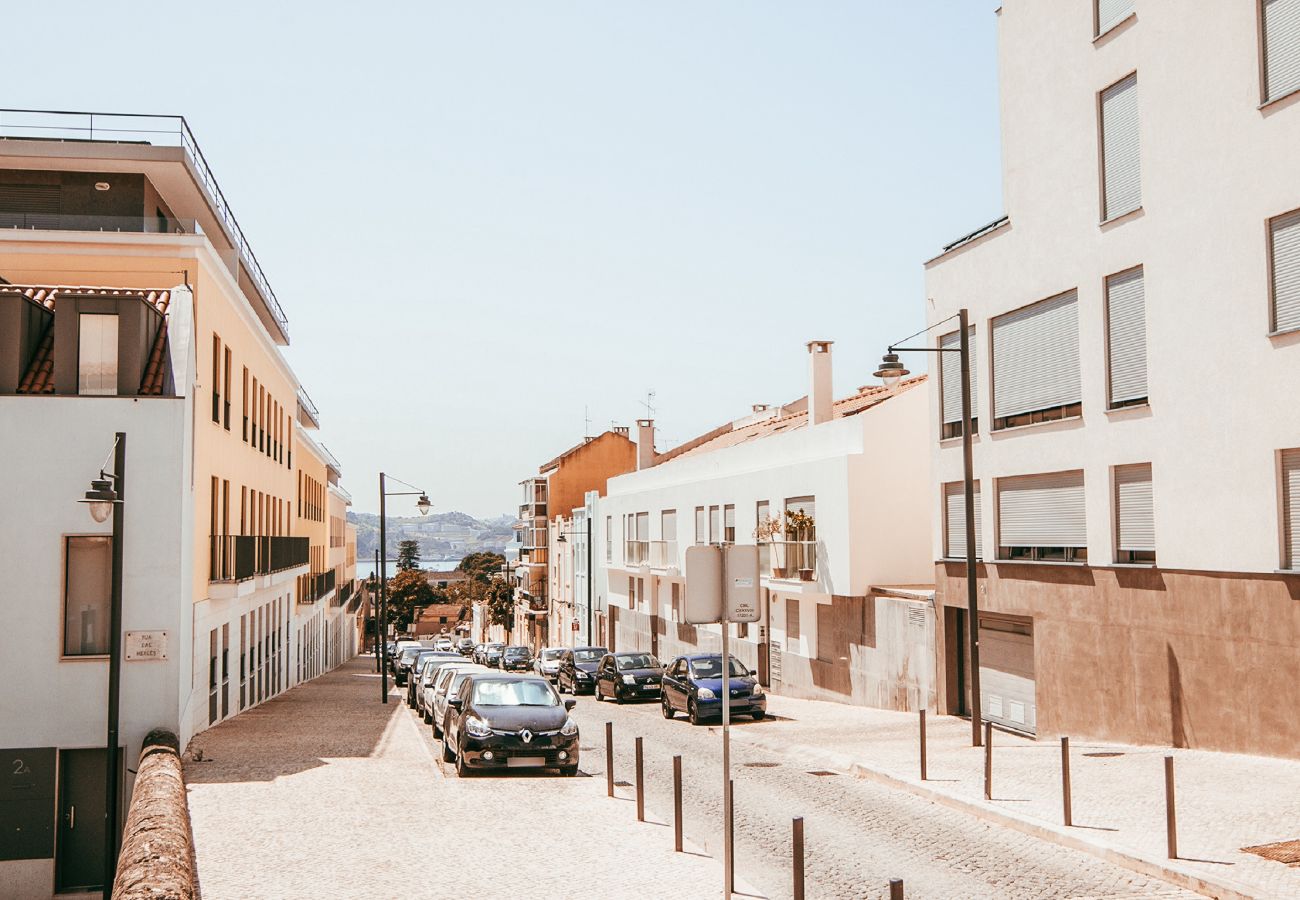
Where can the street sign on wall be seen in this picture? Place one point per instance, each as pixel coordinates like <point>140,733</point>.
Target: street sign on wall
<point>145,645</point>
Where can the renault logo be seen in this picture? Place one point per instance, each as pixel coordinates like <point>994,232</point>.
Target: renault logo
<point>526,736</point>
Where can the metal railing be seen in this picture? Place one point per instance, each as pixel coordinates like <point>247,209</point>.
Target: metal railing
<point>636,553</point>
<point>75,222</point>
<point>141,128</point>
<point>313,586</point>
<point>237,557</point>
<point>793,559</point>
<point>344,592</point>
<point>663,554</point>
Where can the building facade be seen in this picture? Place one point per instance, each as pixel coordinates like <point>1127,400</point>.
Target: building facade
<point>1135,318</point>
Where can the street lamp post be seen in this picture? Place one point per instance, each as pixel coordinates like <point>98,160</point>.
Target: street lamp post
<point>891,371</point>
<point>423,505</point>
<point>106,496</point>
<point>374,608</point>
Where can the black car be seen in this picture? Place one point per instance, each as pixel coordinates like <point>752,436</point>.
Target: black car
<point>413,673</point>
<point>625,676</point>
<point>516,659</point>
<point>578,669</point>
<point>490,655</point>
<point>500,721</point>
<point>403,662</point>
<point>465,647</point>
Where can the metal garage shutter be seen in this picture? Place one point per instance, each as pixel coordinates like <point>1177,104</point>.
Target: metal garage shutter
<point>1126,332</point>
<point>1121,169</point>
<point>1042,511</point>
<point>1291,508</point>
<point>1284,232</point>
<point>1281,47</point>
<point>1110,12</point>
<point>950,369</point>
<point>1134,508</point>
<point>954,503</point>
<point>1007,688</point>
<point>1036,357</point>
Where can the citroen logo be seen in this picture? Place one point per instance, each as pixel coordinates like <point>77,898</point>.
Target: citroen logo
<point>526,736</point>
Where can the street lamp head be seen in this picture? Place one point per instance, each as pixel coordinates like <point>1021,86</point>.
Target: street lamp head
<point>891,371</point>
<point>561,539</point>
<point>423,504</point>
<point>100,498</point>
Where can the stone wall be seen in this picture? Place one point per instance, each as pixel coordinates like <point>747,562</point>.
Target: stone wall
<point>157,857</point>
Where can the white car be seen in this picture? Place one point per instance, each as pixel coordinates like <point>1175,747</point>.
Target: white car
<point>547,663</point>
<point>447,683</point>
<point>428,672</point>
<point>444,643</point>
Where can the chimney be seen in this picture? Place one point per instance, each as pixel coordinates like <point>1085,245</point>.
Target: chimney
<point>645,443</point>
<point>819,377</point>
<point>759,408</point>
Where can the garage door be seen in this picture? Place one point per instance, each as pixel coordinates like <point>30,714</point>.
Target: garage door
<point>1007,672</point>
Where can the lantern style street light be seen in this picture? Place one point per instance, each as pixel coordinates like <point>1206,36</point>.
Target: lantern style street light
<point>423,505</point>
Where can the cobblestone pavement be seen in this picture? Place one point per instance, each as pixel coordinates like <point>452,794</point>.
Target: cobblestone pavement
<point>858,833</point>
<point>324,792</point>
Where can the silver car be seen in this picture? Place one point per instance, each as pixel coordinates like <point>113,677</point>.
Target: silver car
<point>428,672</point>
<point>449,681</point>
<point>547,663</point>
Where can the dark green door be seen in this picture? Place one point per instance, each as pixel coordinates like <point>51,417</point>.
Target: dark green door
<point>79,859</point>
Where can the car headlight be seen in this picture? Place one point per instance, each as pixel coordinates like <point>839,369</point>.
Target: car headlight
<point>570,727</point>
<point>629,679</point>
<point>706,694</point>
<point>476,727</point>
<point>582,674</point>
<point>758,691</point>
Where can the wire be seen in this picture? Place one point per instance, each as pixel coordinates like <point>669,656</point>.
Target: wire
<point>923,331</point>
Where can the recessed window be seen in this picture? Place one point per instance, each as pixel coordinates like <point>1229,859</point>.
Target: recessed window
<point>1036,363</point>
<point>950,385</point>
<point>1041,518</point>
<point>1126,338</point>
<point>97,355</point>
<point>1291,509</point>
<point>954,508</point>
<point>1284,259</point>
<point>1110,13</point>
<point>1135,529</point>
<point>701,526</point>
<point>1120,163</point>
<point>729,523</point>
<point>1280,20</point>
<point>86,594</point>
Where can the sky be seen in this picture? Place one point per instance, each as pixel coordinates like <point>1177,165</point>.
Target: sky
<point>489,221</point>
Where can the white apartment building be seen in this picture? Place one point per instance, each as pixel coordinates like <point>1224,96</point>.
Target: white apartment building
<point>847,605</point>
<point>1136,333</point>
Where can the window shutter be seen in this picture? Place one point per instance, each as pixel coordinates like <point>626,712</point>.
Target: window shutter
<point>1109,12</point>
<point>1042,511</point>
<point>1281,47</point>
<point>1121,170</point>
<point>954,501</point>
<point>1291,508</point>
<point>1127,336</point>
<point>1284,232</point>
<point>950,372</point>
<point>1036,357</point>
<point>1134,509</point>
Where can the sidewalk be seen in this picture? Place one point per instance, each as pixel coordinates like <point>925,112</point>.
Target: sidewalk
<point>326,792</point>
<point>1224,801</point>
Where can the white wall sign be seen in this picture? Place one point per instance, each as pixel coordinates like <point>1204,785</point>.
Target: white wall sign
<point>145,645</point>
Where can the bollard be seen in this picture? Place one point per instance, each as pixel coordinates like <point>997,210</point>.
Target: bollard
<point>640,783</point>
<point>609,758</point>
<point>1065,780</point>
<point>923,745</point>
<point>798,858</point>
<point>1171,823</point>
<point>895,889</point>
<point>988,760</point>
<point>677,803</point>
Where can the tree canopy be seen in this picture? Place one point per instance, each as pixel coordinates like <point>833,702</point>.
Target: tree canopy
<point>482,566</point>
<point>408,591</point>
<point>408,555</point>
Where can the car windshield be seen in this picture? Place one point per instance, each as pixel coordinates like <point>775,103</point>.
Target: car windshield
<point>516,651</point>
<point>409,655</point>
<point>711,667</point>
<point>552,654</point>
<point>514,693</point>
<point>494,648</point>
<point>637,661</point>
<point>456,681</point>
<point>588,655</point>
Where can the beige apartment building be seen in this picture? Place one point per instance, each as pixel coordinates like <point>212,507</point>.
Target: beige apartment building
<point>1136,332</point>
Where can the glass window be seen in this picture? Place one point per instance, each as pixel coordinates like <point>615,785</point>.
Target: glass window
<point>701,528</point>
<point>1281,44</point>
<point>1121,171</point>
<point>86,595</point>
<point>729,523</point>
<point>97,355</point>
<point>514,693</point>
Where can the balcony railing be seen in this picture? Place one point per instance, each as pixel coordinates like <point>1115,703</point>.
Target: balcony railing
<point>77,222</point>
<point>240,557</point>
<point>636,553</point>
<point>793,559</point>
<point>663,554</point>
<point>344,592</point>
<point>313,586</point>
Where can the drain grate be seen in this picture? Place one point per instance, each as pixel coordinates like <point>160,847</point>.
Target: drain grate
<point>1104,754</point>
<point>822,772</point>
<point>1286,852</point>
<point>761,765</point>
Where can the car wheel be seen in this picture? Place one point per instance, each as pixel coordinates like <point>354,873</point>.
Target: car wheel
<point>428,718</point>
<point>692,713</point>
<point>596,692</point>
<point>447,754</point>
<point>618,694</point>
<point>437,732</point>
<point>667,708</point>
<point>757,715</point>
<point>462,770</point>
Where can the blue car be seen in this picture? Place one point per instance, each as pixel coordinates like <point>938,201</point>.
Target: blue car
<point>693,684</point>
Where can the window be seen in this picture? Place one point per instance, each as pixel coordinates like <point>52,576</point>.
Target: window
<point>668,525</point>
<point>950,385</point>
<point>609,538</point>
<point>791,622</point>
<point>97,355</point>
<point>1135,528</point>
<point>225,387</point>
<point>763,535</point>
<point>1036,363</point>
<point>677,601</point>
<point>1041,518</point>
<point>1284,261</point>
<point>1110,13</point>
<point>700,526</point>
<point>954,508</point>
<point>86,592</point>
<point>827,649</point>
<point>216,378</point>
<point>1280,20</point>
<point>729,523</point>
<point>631,592</point>
<point>1121,170</point>
<point>1126,339</point>
<point>244,398</point>
<point>1291,509</point>
<point>715,522</point>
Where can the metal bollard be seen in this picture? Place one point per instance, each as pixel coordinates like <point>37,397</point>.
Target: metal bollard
<point>677,803</point>
<point>1065,780</point>
<point>609,758</point>
<point>798,858</point>
<point>923,745</point>
<point>1171,823</point>
<point>895,889</point>
<point>640,783</point>
<point>988,760</point>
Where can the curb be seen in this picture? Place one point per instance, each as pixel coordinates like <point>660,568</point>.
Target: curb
<point>1179,876</point>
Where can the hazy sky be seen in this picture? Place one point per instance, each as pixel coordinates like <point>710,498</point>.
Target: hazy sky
<point>483,216</point>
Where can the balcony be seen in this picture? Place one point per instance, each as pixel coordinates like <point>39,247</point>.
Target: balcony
<point>636,553</point>
<point>344,592</point>
<point>73,222</point>
<point>663,555</point>
<point>240,557</point>
<point>793,559</point>
<point>313,586</point>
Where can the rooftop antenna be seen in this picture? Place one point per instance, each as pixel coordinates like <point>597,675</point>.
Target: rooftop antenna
<point>648,403</point>
<point>586,422</point>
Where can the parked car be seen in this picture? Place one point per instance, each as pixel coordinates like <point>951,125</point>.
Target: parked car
<point>516,658</point>
<point>491,655</point>
<point>449,679</point>
<point>395,651</point>
<point>405,659</point>
<point>547,663</point>
<point>465,647</point>
<point>477,655</point>
<point>578,669</point>
<point>500,721</point>
<point>429,684</point>
<point>425,663</point>
<point>626,676</point>
<point>693,684</point>
<point>444,643</point>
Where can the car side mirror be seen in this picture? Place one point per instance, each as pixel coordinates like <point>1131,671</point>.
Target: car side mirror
<point>454,702</point>
<point>570,703</point>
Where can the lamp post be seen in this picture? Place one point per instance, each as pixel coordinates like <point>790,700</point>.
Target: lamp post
<point>105,497</point>
<point>374,607</point>
<point>563,539</point>
<point>891,371</point>
<point>423,505</point>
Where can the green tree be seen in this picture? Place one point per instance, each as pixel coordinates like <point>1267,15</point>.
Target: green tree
<point>408,555</point>
<point>408,591</point>
<point>501,604</point>
<point>482,566</point>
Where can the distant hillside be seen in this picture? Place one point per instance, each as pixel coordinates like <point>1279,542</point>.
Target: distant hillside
<point>443,536</point>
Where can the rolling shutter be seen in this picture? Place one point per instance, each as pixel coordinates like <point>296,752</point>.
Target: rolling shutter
<point>1036,357</point>
<point>1042,511</point>
<point>1281,47</point>
<point>950,370</point>
<point>1122,175</point>
<point>1284,233</point>
<point>1126,332</point>
<point>1291,508</point>
<point>954,503</point>
<point>1134,509</point>
<point>1109,12</point>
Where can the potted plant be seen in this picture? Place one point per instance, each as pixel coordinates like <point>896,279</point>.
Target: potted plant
<point>801,530</point>
<point>767,529</point>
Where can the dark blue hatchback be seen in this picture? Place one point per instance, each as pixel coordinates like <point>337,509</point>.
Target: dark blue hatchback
<point>693,684</point>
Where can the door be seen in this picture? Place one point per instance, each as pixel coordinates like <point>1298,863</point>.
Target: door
<point>958,667</point>
<point>1007,690</point>
<point>79,857</point>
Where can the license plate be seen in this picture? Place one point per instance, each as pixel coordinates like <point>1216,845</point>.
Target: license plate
<point>512,761</point>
